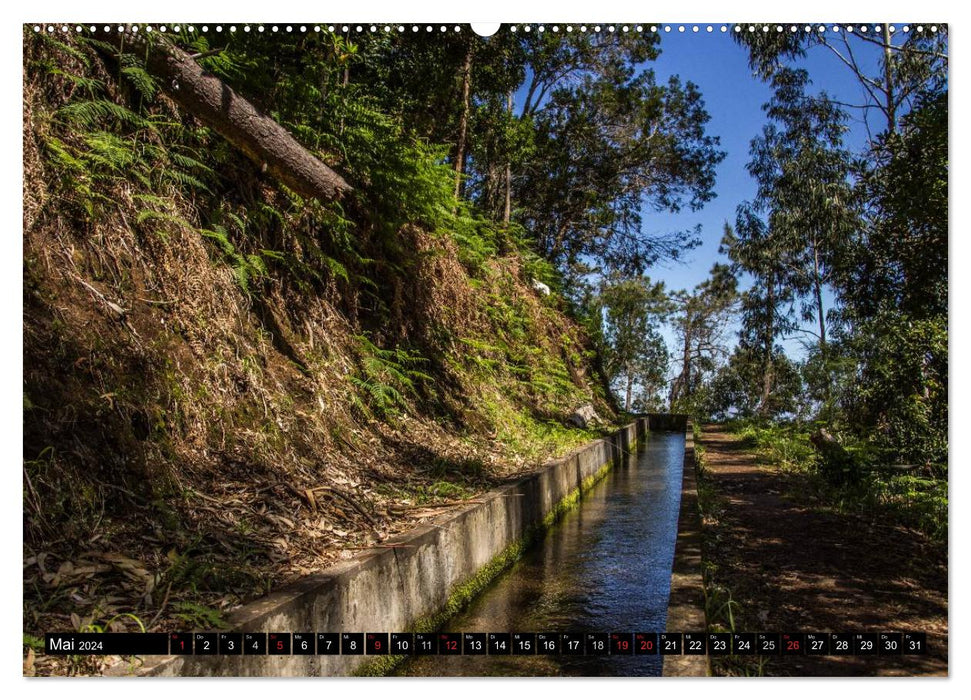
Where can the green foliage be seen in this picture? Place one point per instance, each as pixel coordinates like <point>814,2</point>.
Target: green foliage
<point>700,318</point>
<point>248,268</point>
<point>143,81</point>
<point>900,393</point>
<point>882,376</point>
<point>96,141</point>
<point>88,114</point>
<point>859,478</point>
<point>386,378</point>
<point>32,642</point>
<point>635,353</point>
<point>477,239</point>
<point>402,179</point>
<point>784,445</point>
<point>199,617</point>
<point>738,387</point>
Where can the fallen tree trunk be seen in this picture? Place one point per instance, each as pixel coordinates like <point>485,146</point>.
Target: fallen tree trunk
<point>236,119</point>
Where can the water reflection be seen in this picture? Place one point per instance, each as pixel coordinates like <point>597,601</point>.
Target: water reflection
<point>606,567</point>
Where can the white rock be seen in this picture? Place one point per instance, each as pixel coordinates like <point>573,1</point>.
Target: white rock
<point>584,416</point>
<point>541,288</point>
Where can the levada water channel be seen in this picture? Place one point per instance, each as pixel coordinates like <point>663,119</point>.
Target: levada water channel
<point>604,567</point>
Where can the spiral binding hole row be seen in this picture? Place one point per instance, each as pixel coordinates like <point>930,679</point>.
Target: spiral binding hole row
<point>583,28</point>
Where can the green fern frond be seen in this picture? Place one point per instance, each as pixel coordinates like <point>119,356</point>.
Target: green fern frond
<point>91,85</point>
<point>236,219</point>
<point>61,154</point>
<point>184,180</point>
<point>185,161</point>
<point>102,46</point>
<point>221,237</point>
<point>90,113</point>
<point>337,269</point>
<point>155,215</point>
<point>142,80</point>
<point>110,151</point>
<point>72,51</point>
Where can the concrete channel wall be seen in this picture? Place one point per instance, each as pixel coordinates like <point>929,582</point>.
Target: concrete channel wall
<point>412,582</point>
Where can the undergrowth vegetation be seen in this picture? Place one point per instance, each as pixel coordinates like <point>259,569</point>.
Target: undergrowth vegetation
<point>917,498</point>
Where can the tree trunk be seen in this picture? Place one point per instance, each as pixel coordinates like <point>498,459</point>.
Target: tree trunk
<point>463,120</point>
<point>768,368</point>
<point>630,386</point>
<point>507,211</point>
<point>237,120</point>
<point>888,78</point>
<point>820,312</point>
<point>680,385</point>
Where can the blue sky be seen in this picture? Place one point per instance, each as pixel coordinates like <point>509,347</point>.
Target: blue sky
<point>734,99</point>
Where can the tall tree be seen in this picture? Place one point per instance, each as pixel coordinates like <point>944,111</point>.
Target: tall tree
<point>908,63</point>
<point>636,356</point>
<point>737,388</point>
<point>896,291</point>
<point>606,150</point>
<point>792,237</point>
<point>767,306</point>
<point>465,78</point>
<point>701,319</point>
<point>890,277</point>
<point>803,172</point>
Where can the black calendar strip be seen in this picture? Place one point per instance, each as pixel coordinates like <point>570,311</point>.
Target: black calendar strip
<point>488,643</point>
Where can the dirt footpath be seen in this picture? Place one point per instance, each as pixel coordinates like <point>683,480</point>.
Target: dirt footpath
<point>794,566</point>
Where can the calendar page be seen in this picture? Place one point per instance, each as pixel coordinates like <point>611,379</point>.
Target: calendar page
<point>518,349</point>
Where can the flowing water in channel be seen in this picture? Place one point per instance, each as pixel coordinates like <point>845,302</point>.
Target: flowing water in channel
<point>605,567</point>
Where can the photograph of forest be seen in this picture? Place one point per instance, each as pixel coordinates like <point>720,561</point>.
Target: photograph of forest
<point>292,293</point>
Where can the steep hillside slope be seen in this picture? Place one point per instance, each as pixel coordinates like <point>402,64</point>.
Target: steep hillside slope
<point>225,385</point>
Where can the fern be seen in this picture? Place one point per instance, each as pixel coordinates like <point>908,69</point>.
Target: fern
<point>338,270</point>
<point>184,180</point>
<point>89,113</point>
<point>110,151</point>
<point>91,85</point>
<point>386,376</point>
<point>67,49</point>
<point>142,80</point>
<point>152,215</point>
<point>185,161</point>
<point>247,267</point>
<point>62,155</point>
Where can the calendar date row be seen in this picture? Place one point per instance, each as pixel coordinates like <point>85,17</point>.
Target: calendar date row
<point>490,643</point>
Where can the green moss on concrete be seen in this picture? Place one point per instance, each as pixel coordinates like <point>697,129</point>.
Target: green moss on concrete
<point>379,666</point>
<point>464,593</point>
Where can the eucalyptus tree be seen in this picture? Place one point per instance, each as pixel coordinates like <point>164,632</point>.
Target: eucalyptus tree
<point>633,309</point>
<point>909,63</point>
<point>803,175</point>
<point>767,306</point>
<point>701,320</point>
<point>891,274</point>
<point>792,236</point>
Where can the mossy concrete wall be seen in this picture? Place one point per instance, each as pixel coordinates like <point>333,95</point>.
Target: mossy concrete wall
<point>413,582</point>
